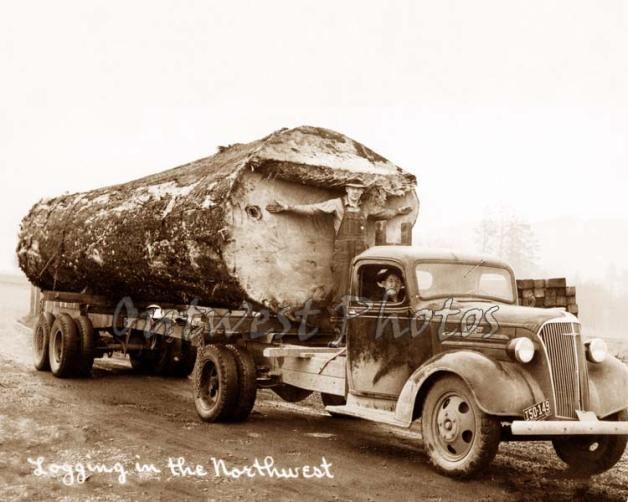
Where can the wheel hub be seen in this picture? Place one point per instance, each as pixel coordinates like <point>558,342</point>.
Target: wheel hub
<point>455,425</point>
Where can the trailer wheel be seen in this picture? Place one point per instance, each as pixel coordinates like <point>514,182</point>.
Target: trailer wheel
<point>174,358</point>
<point>459,437</point>
<point>247,382</point>
<point>64,348</point>
<point>162,356</point>
<point>87,337</point>
<point>183,360</point>
<point>41,340</point>
<point>216,386</point>
<point>588,455</point>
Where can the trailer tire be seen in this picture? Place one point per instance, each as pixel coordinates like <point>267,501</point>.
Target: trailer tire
<point>586,455</point>
<point>142,360</point>
<point>41,340</point>
<point>459,437</point>
<point>247,382</point>
<point>162,356</point>
<point>174,358</point>
<point>216,386</point>
<point>88,339</point>
<point>184,358</point>
<point>64,348</point>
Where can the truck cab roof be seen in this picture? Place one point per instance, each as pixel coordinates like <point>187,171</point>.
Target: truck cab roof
<point>415,253</point>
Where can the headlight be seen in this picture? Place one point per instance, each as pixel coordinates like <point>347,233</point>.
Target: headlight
<point>597,350</point>
<point>521,349</point>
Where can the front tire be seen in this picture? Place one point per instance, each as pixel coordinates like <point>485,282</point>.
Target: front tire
<point>216,388</point>
<point>589,455</point>
<point>459,437</point>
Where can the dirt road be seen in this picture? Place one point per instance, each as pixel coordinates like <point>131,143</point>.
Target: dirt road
<point>116,419</point>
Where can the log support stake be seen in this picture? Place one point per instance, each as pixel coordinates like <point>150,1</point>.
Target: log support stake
<point>380,233</point>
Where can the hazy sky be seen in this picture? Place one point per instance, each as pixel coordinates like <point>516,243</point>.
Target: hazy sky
<point>491,104</point>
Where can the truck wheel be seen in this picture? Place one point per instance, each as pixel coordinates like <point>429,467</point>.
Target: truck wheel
<point>87,337</point>
<point>290,393</point>
<point>459,437</point>
<point>162,356</point>
<point>64,348</point>
<point>216,387</point>
<point>183,360</point>
<point>174,358</point>
<point>142,360</point>
<point>247,382</point>
<point>588,455</point>
<point>41,340</point>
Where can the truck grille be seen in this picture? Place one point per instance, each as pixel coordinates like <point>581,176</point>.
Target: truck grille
<point>568,366</point>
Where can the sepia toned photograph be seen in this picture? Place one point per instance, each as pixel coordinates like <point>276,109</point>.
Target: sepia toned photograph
<point>314,250</point>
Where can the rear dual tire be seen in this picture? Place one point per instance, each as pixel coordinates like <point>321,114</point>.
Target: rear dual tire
<point>64,349</point>
<point>88,341</point>
<point>225,383</point>
<point>64,345</point>
<point>41,341</point>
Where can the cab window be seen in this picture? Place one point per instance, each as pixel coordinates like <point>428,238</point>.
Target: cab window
<point>379,283</point>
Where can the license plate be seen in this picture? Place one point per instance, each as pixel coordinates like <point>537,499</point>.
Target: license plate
<point>538,411</point>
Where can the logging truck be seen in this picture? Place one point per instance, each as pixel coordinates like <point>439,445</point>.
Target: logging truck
<point>453,350</point>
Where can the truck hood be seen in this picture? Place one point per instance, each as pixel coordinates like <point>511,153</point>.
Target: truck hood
<point>505,315</point>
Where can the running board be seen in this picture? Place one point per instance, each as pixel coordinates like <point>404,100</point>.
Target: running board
<point>381,416</point>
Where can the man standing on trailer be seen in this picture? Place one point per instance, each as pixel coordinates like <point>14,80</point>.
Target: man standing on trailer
<point>350,217</point>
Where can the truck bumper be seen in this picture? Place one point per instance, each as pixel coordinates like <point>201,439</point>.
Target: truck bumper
<point>568,428</point>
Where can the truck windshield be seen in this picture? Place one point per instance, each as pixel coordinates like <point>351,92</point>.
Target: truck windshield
<point>472,280</point>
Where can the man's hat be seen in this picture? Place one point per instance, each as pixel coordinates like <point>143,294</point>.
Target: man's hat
<point>385,272</point>
<point>355,183</point>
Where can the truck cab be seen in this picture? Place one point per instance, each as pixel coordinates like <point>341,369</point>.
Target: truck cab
<point>438,336</point>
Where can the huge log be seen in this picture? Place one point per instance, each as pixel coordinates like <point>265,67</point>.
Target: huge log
<point>201,231</point>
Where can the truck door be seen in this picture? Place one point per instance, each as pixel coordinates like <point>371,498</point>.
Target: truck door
<point>383,346</point>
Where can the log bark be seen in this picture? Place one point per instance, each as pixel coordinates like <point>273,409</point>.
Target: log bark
<point>200,231</point>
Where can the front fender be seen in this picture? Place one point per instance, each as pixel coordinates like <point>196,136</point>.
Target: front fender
<point>500,387</point>
<point>608,387</point>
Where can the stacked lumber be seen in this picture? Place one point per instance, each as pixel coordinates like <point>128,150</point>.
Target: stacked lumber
<point>547,293</point>
<point>200,232</point>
